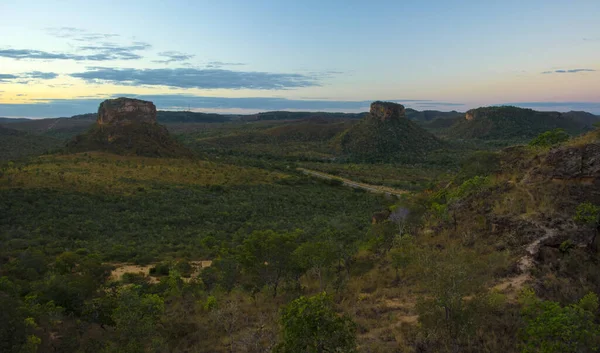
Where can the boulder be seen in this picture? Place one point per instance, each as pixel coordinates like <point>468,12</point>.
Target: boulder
<point>123,111</point>
<point>384,111</point>
<point>575,162</point>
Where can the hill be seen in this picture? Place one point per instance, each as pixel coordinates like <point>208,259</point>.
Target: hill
<point>513,123</point>
<point>286,115</point>
<point>128,126</point>
<point>430,115</point>
<point>15,144</point>
<point>385,135</point>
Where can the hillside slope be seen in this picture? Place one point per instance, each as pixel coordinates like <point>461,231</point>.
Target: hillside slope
<point>15,144</point>
<point>385,135</point>
<point>513,123</point>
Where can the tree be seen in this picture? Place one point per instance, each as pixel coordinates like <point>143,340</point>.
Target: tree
<point>399,216</point>
<point>550,138</point>
<point>450,276</point>
<point>551,328</point>
<point>311,325</point>
<point>403,255</point>
<point>268,256</point>
<point>316,257</point>
<point>589,214</point>
<point>136,319</point>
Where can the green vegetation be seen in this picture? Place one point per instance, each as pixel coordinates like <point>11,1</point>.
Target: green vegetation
<point>551,328</point>
<point>311,325</point>
<point>513,124</point>
<point>16,144</point>
<point>142,139</point>
<point>373,140</point>
<point>238,251</point>
<point>550,138</point>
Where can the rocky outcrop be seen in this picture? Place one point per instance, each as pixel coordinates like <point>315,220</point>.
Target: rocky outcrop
<point>126,111</point>
<point>385,111</point>
<point>574,162</point>
<point>128,126</point>
<point>385,134</point>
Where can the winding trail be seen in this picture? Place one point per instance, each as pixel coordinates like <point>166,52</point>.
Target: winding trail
<point>354,184</point>
<point>526,262</point>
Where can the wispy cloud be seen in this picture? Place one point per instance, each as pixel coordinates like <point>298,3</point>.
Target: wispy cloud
<point>88,46</point>
<point>569,71</point>
<point>78,34</point>
<point>173,56</point>
<point>197,78</point>
<point>593,107</point>
<point>27,77</point>
<point>218,64</point>
<point>104,52</point>
<point>435,104</point>
<point>7,77</point>
<point>592,39</point>
<point>40,75</point>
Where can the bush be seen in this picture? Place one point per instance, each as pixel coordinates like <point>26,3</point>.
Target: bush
<point>310,324</point>
<point>161,269</point>
<point>550,328</point>
<point>550,138</point>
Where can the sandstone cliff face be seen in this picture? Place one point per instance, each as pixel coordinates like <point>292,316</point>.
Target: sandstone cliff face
<point>122,111</point>
<point>384,111</point>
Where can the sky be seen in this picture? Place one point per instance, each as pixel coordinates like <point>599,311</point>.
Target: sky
<point>238,56</point>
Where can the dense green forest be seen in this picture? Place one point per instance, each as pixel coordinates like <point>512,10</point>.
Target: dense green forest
<point>233,249</point>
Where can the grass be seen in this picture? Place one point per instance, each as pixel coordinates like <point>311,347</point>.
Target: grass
<point>102,172</point>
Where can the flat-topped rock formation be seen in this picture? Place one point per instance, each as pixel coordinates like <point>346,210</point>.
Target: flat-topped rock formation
<point>385,134</point>
<point>128,126</point>
<point>126,111</point>
<point>387,111</point>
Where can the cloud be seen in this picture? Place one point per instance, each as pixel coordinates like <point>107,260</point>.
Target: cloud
<point>27,77</point>
<point>197,78</point>
<point>104,52</point>
<point>594,39</point>
<point>218,64</point>
<point>440,104</point>
<point>569,71</point>
<point>78,34</point>
<point>112,51</point>
<point>173,56</point>
<point>7,77</point>
<point>69,107</point>
<point>593,107</point>
<point>40,75</point>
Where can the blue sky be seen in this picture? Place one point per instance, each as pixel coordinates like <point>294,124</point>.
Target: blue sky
<point>245,56</point>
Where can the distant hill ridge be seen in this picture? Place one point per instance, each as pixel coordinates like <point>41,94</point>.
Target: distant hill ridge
<point>508,122</point>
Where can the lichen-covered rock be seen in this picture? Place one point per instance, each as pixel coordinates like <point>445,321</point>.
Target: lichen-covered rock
<point>123,111</point>
<point>575,162</point>
<point>387,111</point>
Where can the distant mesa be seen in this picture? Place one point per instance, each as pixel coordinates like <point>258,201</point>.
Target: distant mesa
<point>128,126</point>
<point>385,134</point>
<point>387,111</point>
<point>126,111</point>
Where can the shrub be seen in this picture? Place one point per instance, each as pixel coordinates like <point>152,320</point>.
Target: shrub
<point>551,328</point>
<point>310,324</point>
<point>550,138</point>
